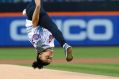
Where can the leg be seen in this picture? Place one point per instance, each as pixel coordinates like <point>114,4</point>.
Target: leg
<point>47,23</point>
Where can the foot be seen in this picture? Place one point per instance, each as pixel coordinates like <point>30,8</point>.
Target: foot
<point>68,52</point>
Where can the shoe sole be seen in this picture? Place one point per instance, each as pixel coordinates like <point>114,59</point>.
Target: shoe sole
<point>69,54</point>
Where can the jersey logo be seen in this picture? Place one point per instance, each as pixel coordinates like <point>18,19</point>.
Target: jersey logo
<point>36,37</point>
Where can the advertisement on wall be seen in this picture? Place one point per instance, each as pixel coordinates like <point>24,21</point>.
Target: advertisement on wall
<point>78,30</point>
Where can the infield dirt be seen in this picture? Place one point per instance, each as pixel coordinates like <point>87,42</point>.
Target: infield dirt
<point>22,72</point>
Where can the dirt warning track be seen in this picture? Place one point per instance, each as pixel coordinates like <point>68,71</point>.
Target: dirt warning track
<point>76,60</point>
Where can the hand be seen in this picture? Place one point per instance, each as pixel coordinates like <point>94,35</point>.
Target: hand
<point>38,3</point>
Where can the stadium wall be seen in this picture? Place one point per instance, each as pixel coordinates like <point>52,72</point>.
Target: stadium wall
<point>79,28</point>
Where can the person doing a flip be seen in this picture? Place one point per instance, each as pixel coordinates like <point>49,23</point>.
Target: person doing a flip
<point>42,37</point>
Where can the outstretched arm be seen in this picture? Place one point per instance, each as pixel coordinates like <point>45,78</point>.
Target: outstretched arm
<point>35,17</point>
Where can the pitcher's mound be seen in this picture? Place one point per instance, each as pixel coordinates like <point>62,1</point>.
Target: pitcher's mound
<point>21,72</point>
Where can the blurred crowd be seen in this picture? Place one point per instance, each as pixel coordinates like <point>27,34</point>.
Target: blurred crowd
<point>16,1</point>
<point>13,1</point>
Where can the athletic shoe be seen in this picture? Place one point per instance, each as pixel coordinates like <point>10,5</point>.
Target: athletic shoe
<point>68,52</point>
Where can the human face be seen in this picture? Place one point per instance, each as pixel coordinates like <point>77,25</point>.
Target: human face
<point>46,56</point>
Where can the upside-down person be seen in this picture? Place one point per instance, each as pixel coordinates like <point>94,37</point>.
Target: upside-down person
<point>41,33</point>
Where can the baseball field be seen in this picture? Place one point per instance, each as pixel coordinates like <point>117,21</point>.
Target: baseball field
<point>100,61</point>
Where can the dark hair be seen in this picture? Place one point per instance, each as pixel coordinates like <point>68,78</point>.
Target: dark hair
<point>39,63</point>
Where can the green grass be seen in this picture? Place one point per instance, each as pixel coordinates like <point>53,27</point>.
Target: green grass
<point>79,52</point>
<point>101,69</point>
<point>17,53</point>
<point>91,52</point>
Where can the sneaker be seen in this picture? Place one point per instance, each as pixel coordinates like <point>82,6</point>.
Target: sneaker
<point>68,52</point>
